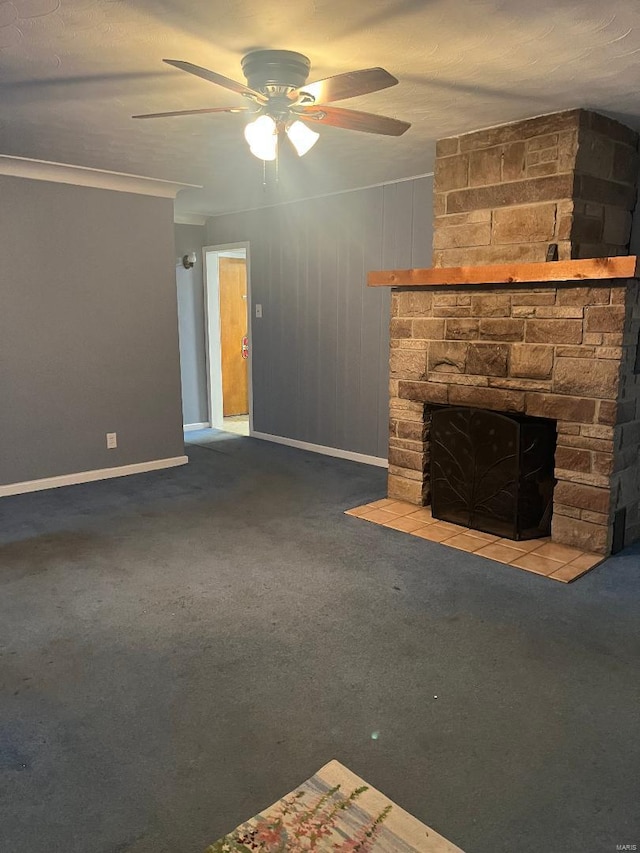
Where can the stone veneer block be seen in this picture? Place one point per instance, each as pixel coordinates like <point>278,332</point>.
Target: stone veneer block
<point>537,221</point>
<point>403,489</point>
<point>591,377</point>
<point>487,359</point>
<point>511,193</point>
<point>531,361</point>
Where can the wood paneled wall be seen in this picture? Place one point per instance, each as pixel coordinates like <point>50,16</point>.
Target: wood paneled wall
<point>321,349</point>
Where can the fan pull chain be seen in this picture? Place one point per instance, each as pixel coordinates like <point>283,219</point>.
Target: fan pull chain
<point>276,167</point>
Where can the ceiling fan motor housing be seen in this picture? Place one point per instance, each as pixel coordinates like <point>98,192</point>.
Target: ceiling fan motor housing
<point>275,71</point>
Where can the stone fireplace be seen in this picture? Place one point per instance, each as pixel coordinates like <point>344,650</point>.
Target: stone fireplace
<point>564,186</point>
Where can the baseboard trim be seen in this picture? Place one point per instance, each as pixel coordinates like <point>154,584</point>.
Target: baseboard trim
<point>90,476</point>
<point>380,461</point>
<point>194,427</point>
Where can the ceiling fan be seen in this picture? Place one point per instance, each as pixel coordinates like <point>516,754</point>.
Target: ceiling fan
<point>281,101</point>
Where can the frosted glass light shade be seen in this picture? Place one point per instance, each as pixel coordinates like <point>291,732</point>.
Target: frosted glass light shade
<point>262,137</point>
<point>302,137</point>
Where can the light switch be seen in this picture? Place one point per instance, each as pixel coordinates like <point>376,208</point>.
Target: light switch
<point>258,311</point>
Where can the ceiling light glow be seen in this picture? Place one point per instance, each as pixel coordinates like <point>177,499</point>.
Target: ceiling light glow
<point>302,137</point>
<point>262,137</point>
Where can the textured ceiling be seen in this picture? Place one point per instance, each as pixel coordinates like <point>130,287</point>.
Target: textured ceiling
<point>72,72</point>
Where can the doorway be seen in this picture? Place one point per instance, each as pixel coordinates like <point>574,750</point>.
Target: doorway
<point>227,320</point>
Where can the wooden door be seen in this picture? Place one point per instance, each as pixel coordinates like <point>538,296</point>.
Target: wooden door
<point>233,328</point>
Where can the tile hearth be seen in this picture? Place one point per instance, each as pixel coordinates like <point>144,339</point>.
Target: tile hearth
<point>540,556</point>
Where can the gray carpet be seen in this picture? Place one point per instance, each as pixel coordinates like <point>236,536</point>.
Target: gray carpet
<point>179,649</point>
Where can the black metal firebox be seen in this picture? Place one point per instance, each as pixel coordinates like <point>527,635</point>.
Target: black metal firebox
<point>492,471</point>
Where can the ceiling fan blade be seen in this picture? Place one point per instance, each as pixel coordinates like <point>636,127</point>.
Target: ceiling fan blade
<point>347,85</point>
<point>213,77</point>
<point>353,120</point>
<point>195,112</point>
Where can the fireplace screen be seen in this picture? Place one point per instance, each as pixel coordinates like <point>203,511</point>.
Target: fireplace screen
<point>493,472</point>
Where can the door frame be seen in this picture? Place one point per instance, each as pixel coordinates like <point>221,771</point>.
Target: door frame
<point>213,360</point>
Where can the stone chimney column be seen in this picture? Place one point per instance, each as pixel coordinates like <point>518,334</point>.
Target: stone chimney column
<point>503,195</point>
<point>562,352</point>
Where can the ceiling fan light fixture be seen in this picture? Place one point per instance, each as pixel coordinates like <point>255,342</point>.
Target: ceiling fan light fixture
<point>301,137</point>
<point>262,136</point>
<point>282,102</point>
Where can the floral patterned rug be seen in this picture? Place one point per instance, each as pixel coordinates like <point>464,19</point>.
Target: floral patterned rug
<point>336,812</point>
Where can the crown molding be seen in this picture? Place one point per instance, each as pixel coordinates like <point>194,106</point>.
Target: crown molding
<point>190,219</point>
<point>84,176</point>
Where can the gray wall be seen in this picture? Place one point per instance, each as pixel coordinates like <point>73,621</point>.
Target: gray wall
<point>320,352</point>
<point>191,238</point>
<point>88,329</point>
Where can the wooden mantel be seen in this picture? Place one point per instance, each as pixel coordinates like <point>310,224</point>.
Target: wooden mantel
<point>624,266</point>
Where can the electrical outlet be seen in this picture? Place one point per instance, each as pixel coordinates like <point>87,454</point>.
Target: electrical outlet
<point>112,440</point>
<point>258,311</point>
